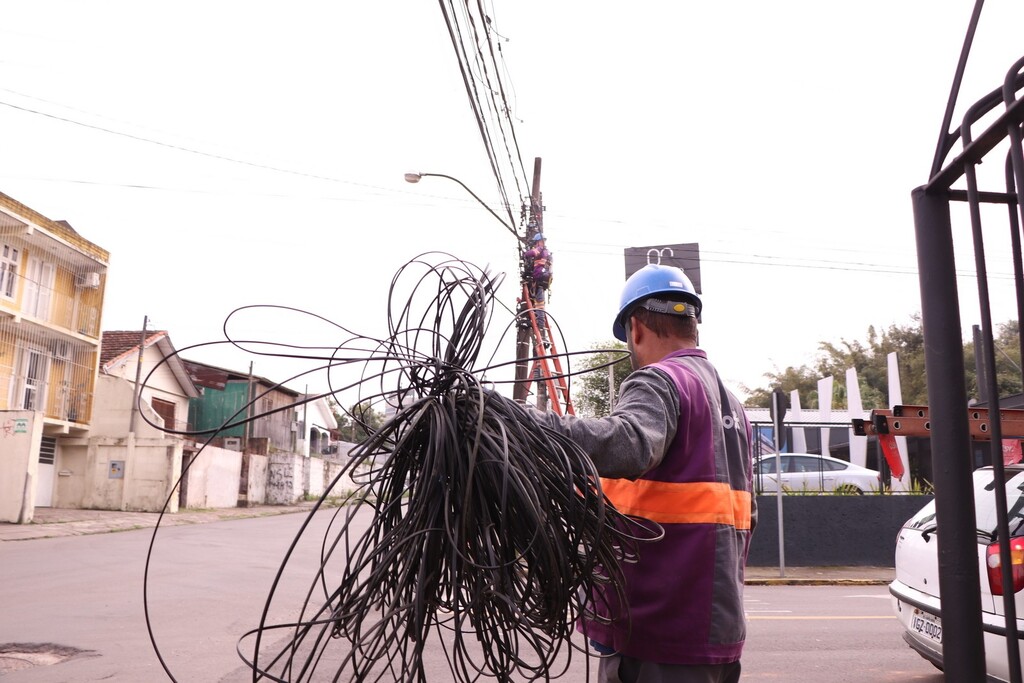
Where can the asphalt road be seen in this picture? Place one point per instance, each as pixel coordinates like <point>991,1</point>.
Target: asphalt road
<point>828,634</point>
<point>208,585</point>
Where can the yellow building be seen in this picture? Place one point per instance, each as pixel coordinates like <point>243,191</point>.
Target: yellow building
<point>51,303</point>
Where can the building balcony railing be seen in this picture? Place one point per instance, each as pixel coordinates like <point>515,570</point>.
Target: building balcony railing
<point>54,309</point>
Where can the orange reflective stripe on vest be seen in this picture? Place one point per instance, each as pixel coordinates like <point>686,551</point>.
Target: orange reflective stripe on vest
<point>680,503</point>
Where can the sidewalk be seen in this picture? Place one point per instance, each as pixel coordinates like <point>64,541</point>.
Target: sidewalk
<point>57,522</point>
<point>820,576</point>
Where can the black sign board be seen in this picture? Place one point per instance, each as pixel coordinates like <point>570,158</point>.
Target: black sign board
<point>685,256</point>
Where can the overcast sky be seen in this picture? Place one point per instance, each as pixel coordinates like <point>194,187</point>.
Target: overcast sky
<point>234,153</point>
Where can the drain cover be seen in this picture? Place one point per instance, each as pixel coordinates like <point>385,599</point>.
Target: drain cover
<point>18,656</point>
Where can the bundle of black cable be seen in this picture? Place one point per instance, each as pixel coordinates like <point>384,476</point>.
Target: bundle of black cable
<point>487,525</point>
<point>490,536</point>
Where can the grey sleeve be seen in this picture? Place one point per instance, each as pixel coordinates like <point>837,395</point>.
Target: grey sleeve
<point>634,438</point>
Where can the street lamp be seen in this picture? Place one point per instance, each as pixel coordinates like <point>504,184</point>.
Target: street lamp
<point>521,386</point>
<point>415,178</point>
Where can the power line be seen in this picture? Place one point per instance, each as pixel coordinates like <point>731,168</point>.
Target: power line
<point>181,148</point>
<point>859,267</point>
<point>481,77</point>
<point>706,256</point>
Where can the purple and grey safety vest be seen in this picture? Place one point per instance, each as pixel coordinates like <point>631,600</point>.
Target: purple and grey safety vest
<point>685,592</point>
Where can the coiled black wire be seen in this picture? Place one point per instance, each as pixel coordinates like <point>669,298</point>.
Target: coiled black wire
<point>489,535</point>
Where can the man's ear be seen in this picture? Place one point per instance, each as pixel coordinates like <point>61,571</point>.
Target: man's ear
<point>636,331</point>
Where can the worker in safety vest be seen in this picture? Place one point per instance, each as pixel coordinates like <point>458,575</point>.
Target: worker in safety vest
<point>675,450</point>
<point>537,264</point>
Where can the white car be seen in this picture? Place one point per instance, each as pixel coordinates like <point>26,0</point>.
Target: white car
<point>807,472</point>
<point>915,592</point>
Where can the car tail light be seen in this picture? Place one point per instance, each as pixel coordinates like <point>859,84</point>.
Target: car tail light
<point>992,561</point>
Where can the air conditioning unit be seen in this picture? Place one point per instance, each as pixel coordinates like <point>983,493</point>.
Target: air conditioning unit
<point>87,280</point>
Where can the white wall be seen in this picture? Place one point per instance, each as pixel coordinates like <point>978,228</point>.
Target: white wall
<point>20,433</point>
<point>285,479</point>
<point>213,479</point>
<point>106,473</point>
<point>313,474</point>
<point>112,407</point>
<point>256,480</point>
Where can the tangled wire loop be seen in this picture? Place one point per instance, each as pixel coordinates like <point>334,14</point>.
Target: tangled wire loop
<point>489,535</point>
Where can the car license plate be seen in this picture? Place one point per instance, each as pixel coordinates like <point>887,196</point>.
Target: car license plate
<point>927,625</point>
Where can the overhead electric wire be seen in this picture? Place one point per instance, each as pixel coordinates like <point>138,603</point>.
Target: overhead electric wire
<point>513,152</point>
<point>488,535</point>
<point>470,85</point>
<point>498,112</point>
<point>181,148</point>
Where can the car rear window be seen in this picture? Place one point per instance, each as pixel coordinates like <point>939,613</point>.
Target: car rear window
<point>985,503</point>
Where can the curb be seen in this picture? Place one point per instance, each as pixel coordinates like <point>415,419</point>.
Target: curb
<point>783,581</point>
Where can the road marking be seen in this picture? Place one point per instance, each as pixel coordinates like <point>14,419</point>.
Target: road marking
<point>769,611</point>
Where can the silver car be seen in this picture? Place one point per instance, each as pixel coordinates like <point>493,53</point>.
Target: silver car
<point>808,472</point>
<point>915,592</point>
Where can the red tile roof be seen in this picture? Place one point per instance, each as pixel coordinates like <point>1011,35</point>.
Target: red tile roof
<point>118,343</point>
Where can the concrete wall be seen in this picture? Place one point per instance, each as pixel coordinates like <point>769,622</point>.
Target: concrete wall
<point>344,485</point>
<point>213,479</point>
<point>291,477</point>
<point>150,473</point>
<point>20,433</point>
<point>313,472</point>
<point>338,475</point>
<point>257,479</point>
<point>106,473</point>
<point>74,475</point>
<point>831,531</point>
<point>112,410</point>
<point>285,481</point>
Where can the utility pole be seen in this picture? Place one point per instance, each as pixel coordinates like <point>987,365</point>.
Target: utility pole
<point>524,337</point>
<point>535,225</point>
<point>247,427</point>
<point>128,475</point>
<point>138,378</point>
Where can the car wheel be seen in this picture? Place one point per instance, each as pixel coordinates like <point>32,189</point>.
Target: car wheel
<point>848,490</point>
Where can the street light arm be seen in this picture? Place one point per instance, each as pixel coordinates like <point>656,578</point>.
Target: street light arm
<point>415,178</point>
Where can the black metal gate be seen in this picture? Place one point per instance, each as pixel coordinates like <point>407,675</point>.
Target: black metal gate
<point>960,151</point>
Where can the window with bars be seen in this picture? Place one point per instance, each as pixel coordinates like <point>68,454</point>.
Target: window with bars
<point>35,369</point>
<point>38,287</point>
<point>9,257</point>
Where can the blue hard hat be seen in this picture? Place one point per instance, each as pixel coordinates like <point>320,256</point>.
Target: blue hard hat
<point>653,280</point>
<point>538,237</point>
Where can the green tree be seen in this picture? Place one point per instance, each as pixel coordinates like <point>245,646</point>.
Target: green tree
<point>358,422</point>
<point>803,379</point>
<point>590,389</point>
<point>1007,355</point>
<point>870,359</point>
